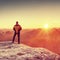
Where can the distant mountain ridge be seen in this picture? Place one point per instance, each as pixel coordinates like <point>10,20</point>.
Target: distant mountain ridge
<point>49,39</point>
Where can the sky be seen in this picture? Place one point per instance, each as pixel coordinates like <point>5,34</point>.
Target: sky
<point>29,13</point>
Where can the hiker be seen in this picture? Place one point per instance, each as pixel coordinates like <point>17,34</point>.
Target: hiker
<point>17,28</point>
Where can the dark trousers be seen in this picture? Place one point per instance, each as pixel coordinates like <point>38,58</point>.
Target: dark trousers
<point>18,34</point>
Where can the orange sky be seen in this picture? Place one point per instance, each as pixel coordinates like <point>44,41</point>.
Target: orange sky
<point>30,16</point>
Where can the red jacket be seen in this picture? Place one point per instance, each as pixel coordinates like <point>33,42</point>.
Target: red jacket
<point>17,28</point>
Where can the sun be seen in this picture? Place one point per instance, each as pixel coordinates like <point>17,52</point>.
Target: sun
<point>46,26</point>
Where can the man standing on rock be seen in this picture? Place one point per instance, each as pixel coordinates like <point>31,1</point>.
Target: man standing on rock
<point>17,28</point>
